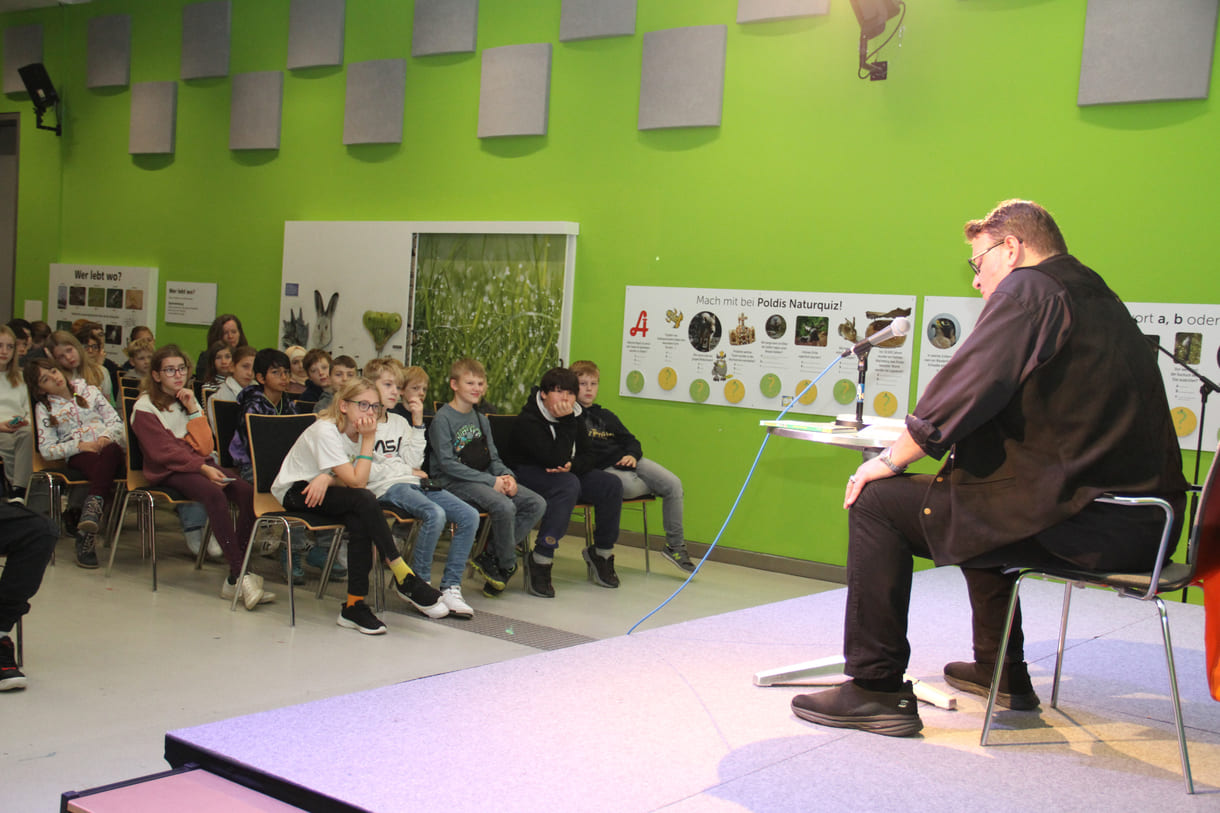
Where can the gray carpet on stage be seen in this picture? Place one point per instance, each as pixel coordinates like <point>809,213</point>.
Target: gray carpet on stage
<point>668,719</point>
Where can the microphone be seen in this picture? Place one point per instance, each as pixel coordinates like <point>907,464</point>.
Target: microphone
<point>896,329</point>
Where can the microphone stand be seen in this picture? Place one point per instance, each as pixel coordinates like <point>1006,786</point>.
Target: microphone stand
<point>1206,388</point>
<point>862,367</point>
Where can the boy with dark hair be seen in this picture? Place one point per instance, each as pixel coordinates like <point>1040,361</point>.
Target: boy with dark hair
<point>549,452</point>
<point>613,449</point>
<point>465,463</point>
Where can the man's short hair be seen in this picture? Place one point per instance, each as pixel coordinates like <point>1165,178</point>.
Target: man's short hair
<point>467,366</point>
<point>344,361</point>
<point>559,378</point>
<point>269,357</point>
<point>314,356</point>
<point>585,368</point>
<point>1025,220</point>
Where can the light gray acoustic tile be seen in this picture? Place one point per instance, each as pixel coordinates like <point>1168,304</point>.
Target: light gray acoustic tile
<point>108,51</point>
<point>515,89</point>
<point>682,77</point>
<point>373,109</point>
<point>589,19</point>
<point>754,11</point>
<point>1147,50</point>
<point>154,115</point>
<point>444,27</point>
<point>315,33</point>
<point>22,46</point>
<point>256,110</point>
<point>205,39</point>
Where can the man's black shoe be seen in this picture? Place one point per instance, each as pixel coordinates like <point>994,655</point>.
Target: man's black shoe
<point>485,565</point>
<point>539,583</point>
<point>894,714</point>
<point>1016,689</point>
<point>10,676</point>
<point>601,568</point>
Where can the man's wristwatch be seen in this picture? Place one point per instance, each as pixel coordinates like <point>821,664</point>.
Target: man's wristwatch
<point>889,463</point>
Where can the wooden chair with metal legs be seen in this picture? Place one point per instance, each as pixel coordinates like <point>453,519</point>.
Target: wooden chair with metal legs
<point>271,437</point>
<point>1164,578</point>
<point>57,476</point>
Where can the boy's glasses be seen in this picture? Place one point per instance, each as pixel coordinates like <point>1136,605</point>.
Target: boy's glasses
<point>368,406</point>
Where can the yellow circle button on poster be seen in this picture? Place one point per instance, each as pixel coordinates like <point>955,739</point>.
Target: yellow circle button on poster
<point>770,385</point>
<point>667,378</point>
<point>885,404</point>
<point>734,391</point>
<point>699,390</point>
<point>1184,421</point>
<point>809,397</point>
<point>635,382</point>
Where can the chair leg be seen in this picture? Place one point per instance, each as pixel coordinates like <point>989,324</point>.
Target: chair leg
<point>203,544</point>
<point>331,556</point>
<point>1063,626</point>
<point>114,542</point>
<point>1177,701</point>
<point>19,642</point>
<point>999,661</point>
<point>647,546</point>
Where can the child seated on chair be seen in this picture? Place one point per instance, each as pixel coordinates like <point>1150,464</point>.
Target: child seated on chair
<point>70,356</point>
<point>16,439</point>
<point>242,375</point>
<point>217,366</point>
<point>326,472</point>
<point>614,449</point>
<point>76,424</point>
<point>317,367</point>
<point>548,452</point>
<point>177,444</point>
<point>139,354</point>
<point>342,370</point>
<point>138,332</point>
<point>398,458</point>
<point>465,462</point>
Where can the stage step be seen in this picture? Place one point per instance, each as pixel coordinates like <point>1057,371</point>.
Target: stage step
<point>186,790</point>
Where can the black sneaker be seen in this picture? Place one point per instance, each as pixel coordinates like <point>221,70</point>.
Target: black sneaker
<point>86,556</point>
<point>679,558</point>
<point>490,590</point>
<point>91,515</point>
<point>894,714</point>
<point>421,595</point>
<point>485,565</point>
<point>1016,689</point>
<point>10,675</point>
<point>360,617</point>
<point>601,568</point>
<point>539,583</point>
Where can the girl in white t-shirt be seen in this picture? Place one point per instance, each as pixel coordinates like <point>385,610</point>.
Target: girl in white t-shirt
<point>326,472</point>
<point>16,439</point>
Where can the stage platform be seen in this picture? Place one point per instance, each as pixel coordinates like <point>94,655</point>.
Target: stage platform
<point>668,719</point>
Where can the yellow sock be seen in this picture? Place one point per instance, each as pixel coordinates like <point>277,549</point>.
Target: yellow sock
<point>401,571</point>
<point>351,600</point>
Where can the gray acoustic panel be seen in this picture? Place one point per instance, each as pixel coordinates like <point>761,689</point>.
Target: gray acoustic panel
<point>108,52</point>
<point>315,33</point>
<point>154,114</point>
<point>1147,50</point>
<point>205,39</point>
<point>755,11</point>
<point>588,19</point>
<point>373,109</point>
<point>682,77</point>
<point>22,46</point>
<point>515,90</point>
<point>444,27</point>
<point>255,111</point>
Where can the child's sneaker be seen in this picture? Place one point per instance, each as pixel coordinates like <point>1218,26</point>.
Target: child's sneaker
<point>679,557</point>
<point>86,556</point>
<point>360,617</point>
<point>539,583</point>
<point>421,595</point>
<point>601,568</point>
<point>452,598</point>
<point>485,565</point>
<point>90,515</point>
<point>252,592</point>
<point>10,675</point>
<point>490,590</point>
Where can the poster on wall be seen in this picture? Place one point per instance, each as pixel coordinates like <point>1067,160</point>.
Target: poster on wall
<point>760,349</point>
<point>117,297</point>
<point>947,321</point>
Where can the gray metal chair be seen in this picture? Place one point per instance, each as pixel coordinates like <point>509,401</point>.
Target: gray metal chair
<point>1150,586</point>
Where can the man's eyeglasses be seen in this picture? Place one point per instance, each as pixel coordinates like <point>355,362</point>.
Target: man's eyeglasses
<point>368,406</point>
<point>973,262</point>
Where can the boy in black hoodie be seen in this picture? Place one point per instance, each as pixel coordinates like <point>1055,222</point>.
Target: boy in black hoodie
<point>548,451</point>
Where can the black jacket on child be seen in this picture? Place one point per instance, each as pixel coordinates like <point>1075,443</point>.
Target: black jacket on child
<point>607,439</point>
<point>540,439</point>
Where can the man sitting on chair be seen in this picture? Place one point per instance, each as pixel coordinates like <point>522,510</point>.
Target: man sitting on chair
<point>1053,399</point>
<point>27,540</point>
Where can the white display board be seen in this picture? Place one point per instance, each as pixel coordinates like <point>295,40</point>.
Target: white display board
<point>758,349</point>
<point>947,321</point>
<point>190,303</point>
<point>119,297</point>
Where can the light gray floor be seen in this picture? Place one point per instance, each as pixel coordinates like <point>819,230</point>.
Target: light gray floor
<point>113,666</point>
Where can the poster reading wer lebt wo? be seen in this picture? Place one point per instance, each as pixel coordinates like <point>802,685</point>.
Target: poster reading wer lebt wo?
<point>760,349</point>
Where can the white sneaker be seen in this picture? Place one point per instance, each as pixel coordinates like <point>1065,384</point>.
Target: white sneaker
<point>252,592</point>
<point>451,597</point>
<point>214,551</point>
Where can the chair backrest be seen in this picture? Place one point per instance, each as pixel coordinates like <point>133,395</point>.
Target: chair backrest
<point>135,455</point>
<point>502,432</point>
<point>271,437</point>
<point>224,417</point>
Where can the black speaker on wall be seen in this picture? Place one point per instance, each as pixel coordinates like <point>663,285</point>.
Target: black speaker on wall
<point>873,15</point>
<point>42,92</point>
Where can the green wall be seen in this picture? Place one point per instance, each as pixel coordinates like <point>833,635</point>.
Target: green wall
<point>815,181</point>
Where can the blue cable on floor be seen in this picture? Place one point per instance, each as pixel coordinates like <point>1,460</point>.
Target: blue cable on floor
<point>740,493</point>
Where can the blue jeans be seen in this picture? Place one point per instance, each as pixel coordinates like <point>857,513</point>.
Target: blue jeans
<point>432,509</point>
